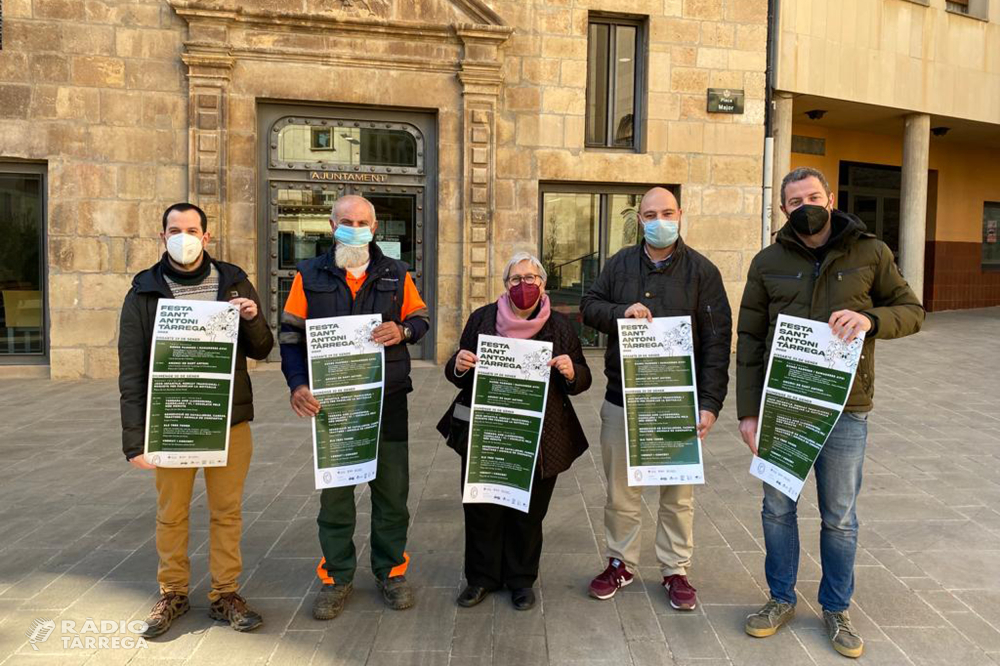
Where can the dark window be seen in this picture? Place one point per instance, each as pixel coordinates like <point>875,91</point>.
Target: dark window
<point>615,66</point>
<point>22,289</point>
<point>582,226</point>
<point>872,192</point>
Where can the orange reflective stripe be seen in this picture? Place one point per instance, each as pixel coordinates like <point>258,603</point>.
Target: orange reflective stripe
<point>401,569</point>
<point>411,298</point>
<point>296,303</point>
<point>321,572</point>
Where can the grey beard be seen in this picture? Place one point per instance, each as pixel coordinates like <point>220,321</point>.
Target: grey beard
<point>350,256</point>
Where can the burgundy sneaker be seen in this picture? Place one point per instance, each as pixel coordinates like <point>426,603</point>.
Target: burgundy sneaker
<point>682,596</point>
<point>614,577</point>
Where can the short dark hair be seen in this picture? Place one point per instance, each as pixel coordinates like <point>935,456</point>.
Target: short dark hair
<point>801,174</point>
<point>184,207</point>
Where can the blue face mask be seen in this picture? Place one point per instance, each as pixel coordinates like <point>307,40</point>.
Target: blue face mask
<point>660,233</point>
<point>353,235</point>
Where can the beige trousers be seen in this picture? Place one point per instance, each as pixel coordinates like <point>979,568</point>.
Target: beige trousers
<point>224,486</point>
<point>623,511</point>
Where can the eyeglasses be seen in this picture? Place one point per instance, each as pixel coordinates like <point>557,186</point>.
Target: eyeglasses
<point>515,280</point>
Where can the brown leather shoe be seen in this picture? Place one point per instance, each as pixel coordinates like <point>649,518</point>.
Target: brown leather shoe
<point>233,608</point>
<point>170,607</point>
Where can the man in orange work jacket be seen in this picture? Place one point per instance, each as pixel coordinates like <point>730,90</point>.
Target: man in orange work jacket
<point>354,277</point>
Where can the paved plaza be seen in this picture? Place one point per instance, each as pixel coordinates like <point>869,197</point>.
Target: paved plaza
<point>77,522</point>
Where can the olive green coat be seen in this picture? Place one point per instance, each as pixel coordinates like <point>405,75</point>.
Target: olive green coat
<point>858,273</point>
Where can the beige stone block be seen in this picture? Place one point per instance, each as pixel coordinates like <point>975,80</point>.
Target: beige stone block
<point>21,138</point>
<point>242,252</point>
<point>121,107</point>
<point>728,79</point>
<point>69,179</point>
<point>747,11</point>
<point>690,201</point>
<point>504,194</point>
<point>65,363</point>
<point>528,126</point>
<point>109,217</point>
<point>565,48</point>
<point>674,30</point>
<point>684,56</point>
<point>513,163</point>
<point>688,80</point>
<point>734,232</point>
<point>78,254</point>
<point>98,71</point>
<point>721,200</point>
<point>137,182</point>
<point>686,137</point>
<point>33,36</point>
<point>64,290</point>
<point>73,10</point>
<point>104,290</point>
<point>748,60</point>
<point>172,183</point>
<point>663,106</point>
<point>84,328</point>
<point>526,195</point>
<point>122,144</point>
<point>164,111</point>
<point>566,101</point>
<point>751,201</point>
<point>155,75</point>
<point>734,139</point>
<point>118,254</point>
<point>67,140</point>
<point>660,64</point>
<point>87,39</point>
<point>542,71</point>
<point>711,58</point>
<point>47,67</point>
<point>99,11</point>
<point>736,170</point>
<point>144,252</point>
<point>751,37</point>
<point>694,107</point>
<point>42,103</point>
<point>729,263</point>
<point>754,85</point>
<point>78,103</point>
<point>555,21</point>
<point>718,35</point>
<point>657,136</point>
<point>700,169</point>
<point>16,100</point>
<point>574,131</point>
<point>14,68</point>
<point>522,98</point>
<point>149,44</point>
<point>102,362</point>
<point>134,14</point>
<point>573,74</point>
<point>523,44</point>
<point>510,69</point>
<point>712,10</point>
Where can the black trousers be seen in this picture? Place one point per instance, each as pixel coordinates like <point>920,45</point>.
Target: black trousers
<point>504,546</point>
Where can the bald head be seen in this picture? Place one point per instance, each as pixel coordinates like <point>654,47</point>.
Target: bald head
<point>659,202</point>
<point>352,208</point>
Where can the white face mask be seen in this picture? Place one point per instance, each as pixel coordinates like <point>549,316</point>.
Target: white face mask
<point>184,248</point>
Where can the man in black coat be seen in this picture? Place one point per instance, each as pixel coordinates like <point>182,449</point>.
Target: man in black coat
<point>186,271</point>
<point>658,277</point>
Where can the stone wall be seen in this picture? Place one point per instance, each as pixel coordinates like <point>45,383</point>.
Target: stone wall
<point>97,90</point>
<point>137,105</point>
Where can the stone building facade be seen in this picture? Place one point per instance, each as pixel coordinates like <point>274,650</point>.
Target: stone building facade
<point>466,121</point>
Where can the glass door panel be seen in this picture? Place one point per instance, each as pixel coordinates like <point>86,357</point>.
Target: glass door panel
<point>21,294</point>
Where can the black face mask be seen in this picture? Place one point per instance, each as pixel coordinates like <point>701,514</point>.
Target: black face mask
<point>809,220</point>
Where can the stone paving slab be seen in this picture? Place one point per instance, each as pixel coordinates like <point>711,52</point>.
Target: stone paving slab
<point>77,538</point>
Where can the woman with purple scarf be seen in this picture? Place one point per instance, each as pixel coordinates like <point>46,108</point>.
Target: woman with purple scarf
<point>503,546</point>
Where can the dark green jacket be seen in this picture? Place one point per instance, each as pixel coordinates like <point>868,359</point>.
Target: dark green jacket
<point>858,273</point>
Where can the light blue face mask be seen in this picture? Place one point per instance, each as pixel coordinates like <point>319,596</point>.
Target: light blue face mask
<point>660,233</point>
<point>353,235</point>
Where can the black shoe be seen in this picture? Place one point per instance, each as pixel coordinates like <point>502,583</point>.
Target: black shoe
<point>330,600</point>
<point>233,608</point>
<point>396,592</point>
<point>472,595</point>
<point>170,607</point>
<point>523,598</point>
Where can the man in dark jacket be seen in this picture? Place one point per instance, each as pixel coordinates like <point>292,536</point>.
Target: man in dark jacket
<point>187,271</point>
<point>354,277</point>
<point>826,267</point>
<point>659,277</point>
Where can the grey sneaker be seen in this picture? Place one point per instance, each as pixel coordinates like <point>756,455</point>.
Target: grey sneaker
<point>842,634</point>
<point>330,600</point>
<point>396,592</point>
<point>769,618</point>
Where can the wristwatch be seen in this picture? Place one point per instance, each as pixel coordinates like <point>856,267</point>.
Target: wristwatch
<point>407,333</point>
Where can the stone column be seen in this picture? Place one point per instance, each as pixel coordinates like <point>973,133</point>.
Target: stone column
<point>481,80</point>
<point>913,204</point>
<point>782,158</point>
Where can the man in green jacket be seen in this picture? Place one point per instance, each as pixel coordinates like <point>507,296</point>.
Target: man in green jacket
<point>824,266</point>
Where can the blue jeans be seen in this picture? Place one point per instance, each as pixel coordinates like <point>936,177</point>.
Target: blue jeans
<point>838,481</point>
